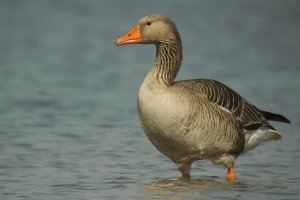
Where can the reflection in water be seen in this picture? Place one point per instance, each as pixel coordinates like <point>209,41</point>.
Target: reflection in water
<point>177,189</point>
<point>213,187</point>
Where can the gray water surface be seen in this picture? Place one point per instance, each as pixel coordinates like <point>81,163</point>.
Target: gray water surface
<point>68,121</point>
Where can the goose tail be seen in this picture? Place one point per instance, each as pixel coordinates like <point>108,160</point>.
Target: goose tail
<point>275,117</point>
<point>254,138</point>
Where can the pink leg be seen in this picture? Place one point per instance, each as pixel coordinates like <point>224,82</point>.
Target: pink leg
<point>231,175</point>
<point>185,169</point>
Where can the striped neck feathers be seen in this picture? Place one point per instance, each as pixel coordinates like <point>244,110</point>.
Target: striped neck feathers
<point>168,61</point>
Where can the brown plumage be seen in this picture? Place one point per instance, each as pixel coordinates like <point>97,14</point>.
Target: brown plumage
<point>193,119</point>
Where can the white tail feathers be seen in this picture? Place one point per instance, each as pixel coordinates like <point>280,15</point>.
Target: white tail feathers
<point>274,135</point>
<point>256,137</point>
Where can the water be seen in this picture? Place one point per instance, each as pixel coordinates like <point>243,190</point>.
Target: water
<point>68,121</point>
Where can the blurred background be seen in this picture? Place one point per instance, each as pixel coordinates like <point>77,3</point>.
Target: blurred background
<point>68,119</point>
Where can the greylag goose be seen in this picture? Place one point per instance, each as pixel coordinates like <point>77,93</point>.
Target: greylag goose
<point>193,119</point>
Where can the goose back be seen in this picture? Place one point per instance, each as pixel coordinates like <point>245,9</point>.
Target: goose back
<point>228,100</point>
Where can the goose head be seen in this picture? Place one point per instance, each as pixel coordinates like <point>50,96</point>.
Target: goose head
<point>152,29</point>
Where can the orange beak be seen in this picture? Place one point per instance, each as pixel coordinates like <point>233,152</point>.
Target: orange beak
<point>133,37</point>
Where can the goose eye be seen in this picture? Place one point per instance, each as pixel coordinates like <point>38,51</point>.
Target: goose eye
<point>148,23</point>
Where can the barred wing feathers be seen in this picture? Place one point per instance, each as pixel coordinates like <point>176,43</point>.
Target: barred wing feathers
<point>250,117</point>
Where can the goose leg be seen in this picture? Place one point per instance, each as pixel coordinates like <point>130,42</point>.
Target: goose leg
<point>230,174</point>
<point>228,161</point>
<point>185,169</point>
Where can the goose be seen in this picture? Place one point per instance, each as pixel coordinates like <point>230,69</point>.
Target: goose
<point>196,119</point>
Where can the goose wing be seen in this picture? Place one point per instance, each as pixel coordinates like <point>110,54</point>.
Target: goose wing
<point>227,99</point>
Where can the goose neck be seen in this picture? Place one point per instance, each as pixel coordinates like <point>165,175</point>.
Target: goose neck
<point>168,61</point>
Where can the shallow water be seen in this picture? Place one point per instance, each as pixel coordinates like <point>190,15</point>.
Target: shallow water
<point>68,122</point>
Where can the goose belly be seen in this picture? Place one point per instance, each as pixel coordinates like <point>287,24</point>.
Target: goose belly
<point>178,130</point>
<point>166,132</point>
